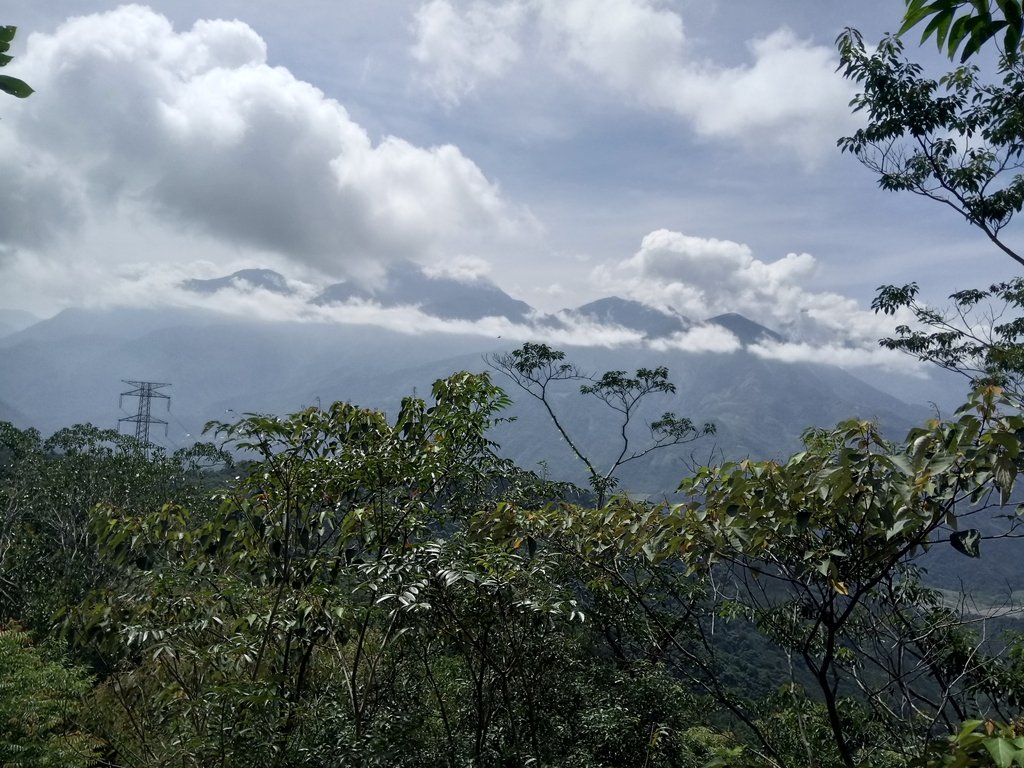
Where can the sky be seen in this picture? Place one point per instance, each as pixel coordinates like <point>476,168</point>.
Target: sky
<point>682,152</point>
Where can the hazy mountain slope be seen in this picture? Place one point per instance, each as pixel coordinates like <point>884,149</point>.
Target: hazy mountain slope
<point>760,407</point>
<point>747,331</point>
<point>64,372</point>
<point>613,310</point>
<point>122,323</point>
<point>406,284</point>
<point>69,369</point>
<point>14,320</point>
<point>266,279</point>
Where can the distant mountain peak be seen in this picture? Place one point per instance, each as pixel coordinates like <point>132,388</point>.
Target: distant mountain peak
<point>745,329</point>
<point>439,295</point>
<point>470,298</point>
<point>265,279</point>
<point>633,315</point>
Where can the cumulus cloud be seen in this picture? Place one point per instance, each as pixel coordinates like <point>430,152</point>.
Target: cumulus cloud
<point>132,118</point>
<point>625,42</point>
<point>703,277</point>
<point>788,93</point>
<point>458,48</point>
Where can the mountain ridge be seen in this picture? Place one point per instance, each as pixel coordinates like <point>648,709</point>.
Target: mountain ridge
<point>220,367</point>
<point>450,298</point>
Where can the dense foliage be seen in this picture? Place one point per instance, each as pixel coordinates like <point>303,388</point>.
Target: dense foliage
<point>368,592</point>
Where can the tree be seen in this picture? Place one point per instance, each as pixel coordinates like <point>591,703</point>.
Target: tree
<point>8,84</point>
<point>536,367</point>
<point>980,337</point>
<point>329,612</point>
<point>979,743</point>
<point>49,489</point>
<point>956,140</point>
<point>819,554</point>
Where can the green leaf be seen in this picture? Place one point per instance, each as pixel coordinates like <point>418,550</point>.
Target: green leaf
<point>7,34</point>
<point>958,33</point>
<point>1001,750</point>
<point>903,463</point>
<point>1012,12</point>
<point>967,727</point>
<point>15,87</point>
<point>1009,442</point>
<point>967,542</point>
<point>938,26</point>
<point>916,12</point>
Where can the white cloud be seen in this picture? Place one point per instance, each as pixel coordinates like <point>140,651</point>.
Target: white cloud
<point>839,355</point>
<point>788,94</point>
<point>133,120</point>
<point>628,43</point>
<point>137,285</point>
<point>703,277</point>
<point>458,49</point>
<point>706,337</point>
<point>463,268</point>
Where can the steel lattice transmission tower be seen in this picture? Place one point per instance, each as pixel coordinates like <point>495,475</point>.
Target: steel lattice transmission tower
<point>146,391</point>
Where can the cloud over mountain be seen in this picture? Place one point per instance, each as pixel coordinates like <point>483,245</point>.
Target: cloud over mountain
<point>701,277</point>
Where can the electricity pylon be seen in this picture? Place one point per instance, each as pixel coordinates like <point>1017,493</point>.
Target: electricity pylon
<point>145,391</point>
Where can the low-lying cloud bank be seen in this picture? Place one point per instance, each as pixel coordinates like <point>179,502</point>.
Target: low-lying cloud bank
<point>698,279</point>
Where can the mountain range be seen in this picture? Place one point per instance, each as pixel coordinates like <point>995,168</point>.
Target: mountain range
<point>405,284</point>
<point>70,368</point>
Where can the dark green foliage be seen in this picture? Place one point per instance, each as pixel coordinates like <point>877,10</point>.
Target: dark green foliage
<point>367,592</point>
<point>819,554</point>
<point>8,84</point>
<point>978,743</point>
<point>48,491</point>
<point>967,23</point>
<point>331,611</point>
<point>41,700</point>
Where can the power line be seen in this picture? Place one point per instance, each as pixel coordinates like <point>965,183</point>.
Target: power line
<point>146,391</point>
